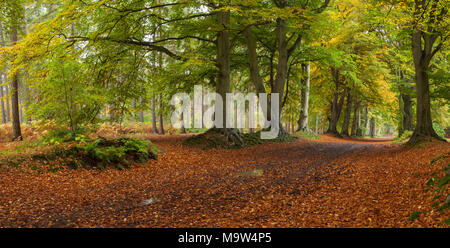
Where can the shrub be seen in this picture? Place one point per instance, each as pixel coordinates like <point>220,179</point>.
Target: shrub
<point>58,136</point>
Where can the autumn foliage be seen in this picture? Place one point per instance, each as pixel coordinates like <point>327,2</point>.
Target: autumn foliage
<point>325,183</point>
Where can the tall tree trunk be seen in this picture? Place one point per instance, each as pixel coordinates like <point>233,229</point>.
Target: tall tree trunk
<point>348,111</point>
<point>372,132</point>
<point>182,129</point>
<point>366,121</point>
<point>223,64</point>
<point>253,62</point>
<point>8,106</point>
<point>17,132</point>
<point>141,112</point>
<point>133,106</point>
<point>405,106</point>
<point>337,103</point>
<point>317,123</point>
<point>2,101</point>
<point>161,116</point>
<point>282,66</point>
<point>359,130</point>
<point>154,127</point>
<point>355,124</point>
<point>422,55</point>
<point>407,112</point>
<point>303,119</point>
<point>2,44</point>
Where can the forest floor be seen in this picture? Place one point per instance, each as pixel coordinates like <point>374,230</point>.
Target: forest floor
<point>325,183</point>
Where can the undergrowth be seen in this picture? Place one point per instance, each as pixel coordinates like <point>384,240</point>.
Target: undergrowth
<point>61,148</point>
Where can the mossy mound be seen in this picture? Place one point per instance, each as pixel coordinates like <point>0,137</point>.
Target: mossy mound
<point>117,153</point>
<point>101,153</point>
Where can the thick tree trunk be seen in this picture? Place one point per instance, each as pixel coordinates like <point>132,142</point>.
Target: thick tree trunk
<point>253,62</point>
<point>337,103</point>
<point>281,76</point>
<point>372,132</point>
<point>424,125</point>
<point>348,112</point>
<point>422,58</point>
<point>223,65</point>
<point>303,119</point>
<point>154,127</point>
<point>277,84</point>
<point>282,67</point>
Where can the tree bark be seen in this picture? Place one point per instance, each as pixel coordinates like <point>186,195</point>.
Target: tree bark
<point>355,124</point>
<point>141,112</point>
<point>422,55</point>
<point>280,78</point>
<point>303,119</point>
<point>366,121</point>
<point>2,44</point>
<point>182,129</point>
<point>337,103</point>
<point>348,111</point>
<point>223,63</point>
<point>161,116</point>
<point>8,106</point>
<point>253,62</point>
<point>372,132</point>
<point>317,123</point>
<point>2,101</point>
<point>154,127</point>
<point>406,109</point>
<point>17,132</point>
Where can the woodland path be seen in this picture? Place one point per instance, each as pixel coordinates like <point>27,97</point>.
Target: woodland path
<point>329,182</point>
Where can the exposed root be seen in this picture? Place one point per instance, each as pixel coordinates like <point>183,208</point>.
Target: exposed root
<point>417,138</point>
<point>217,137</point>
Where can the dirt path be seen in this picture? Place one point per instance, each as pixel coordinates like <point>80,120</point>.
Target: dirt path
<point>269,185</point>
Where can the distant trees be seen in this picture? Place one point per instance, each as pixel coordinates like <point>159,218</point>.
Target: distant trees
<point>339,62</point>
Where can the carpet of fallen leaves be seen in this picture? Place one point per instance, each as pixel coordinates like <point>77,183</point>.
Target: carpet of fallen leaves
<point>326,183</point>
